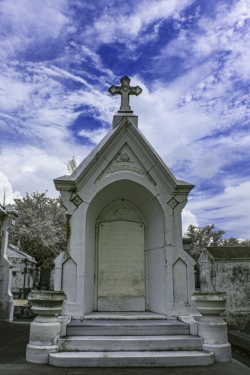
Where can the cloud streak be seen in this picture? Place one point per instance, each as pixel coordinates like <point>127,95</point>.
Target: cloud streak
<point>192,61</point>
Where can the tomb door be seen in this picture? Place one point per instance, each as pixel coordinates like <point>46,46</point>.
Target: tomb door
<point>121,266</point>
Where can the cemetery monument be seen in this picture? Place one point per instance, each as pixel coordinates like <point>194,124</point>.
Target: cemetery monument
<point>128,281</point>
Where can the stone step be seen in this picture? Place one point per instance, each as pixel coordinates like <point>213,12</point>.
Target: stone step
<point>130,343</point>
<point>127,327</point>
<point>131,359</point>
<point>122,315</point>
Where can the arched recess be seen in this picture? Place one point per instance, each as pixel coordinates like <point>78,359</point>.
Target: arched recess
<point>180,283</point>
<point>69,269</point>
<point>153,217</point>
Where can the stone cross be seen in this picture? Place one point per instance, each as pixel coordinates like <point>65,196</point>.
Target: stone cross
<point>125,90</point>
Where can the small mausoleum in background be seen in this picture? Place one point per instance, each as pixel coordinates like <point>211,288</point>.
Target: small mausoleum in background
<point>24,272</point>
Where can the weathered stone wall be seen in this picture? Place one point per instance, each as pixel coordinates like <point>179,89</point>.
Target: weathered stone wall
<point>233,277</point>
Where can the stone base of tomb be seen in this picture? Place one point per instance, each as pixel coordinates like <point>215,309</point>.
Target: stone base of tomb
<point>129,340</point>
<point>214,332</point>
<point>222,352</point>
<point>40,353</point>
<point>44,333</point>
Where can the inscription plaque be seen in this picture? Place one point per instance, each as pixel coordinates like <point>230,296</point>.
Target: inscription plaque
<point>121,265</point>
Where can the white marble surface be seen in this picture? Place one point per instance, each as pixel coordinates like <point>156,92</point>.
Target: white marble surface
<point>121,315</point>
<point>132,359</point>
<point>44,333</point>
<point>127,327</point>
<point>222,352</point>
<point>121,266</point>
<point>69,279</point>
<point>149,187</point>
<point>213,330</point>
<point>40,354</point>
<point>123,343</point>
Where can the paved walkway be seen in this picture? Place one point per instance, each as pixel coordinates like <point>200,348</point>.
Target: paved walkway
<point>15,336</point>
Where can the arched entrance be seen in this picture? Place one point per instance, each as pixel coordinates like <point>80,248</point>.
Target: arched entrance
<point>145,210</point>
<point>121,258</point>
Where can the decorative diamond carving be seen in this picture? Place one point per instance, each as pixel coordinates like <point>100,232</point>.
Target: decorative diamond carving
<point>173,203</point>
<point>77,200</point>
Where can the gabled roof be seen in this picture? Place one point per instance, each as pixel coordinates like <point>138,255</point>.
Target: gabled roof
<point>71,182</point>
<point>15,252</point>
<point>230,252</point>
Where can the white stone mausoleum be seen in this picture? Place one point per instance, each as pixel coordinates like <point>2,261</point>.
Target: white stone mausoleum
<point>125,246</point>
<point>127,279</point>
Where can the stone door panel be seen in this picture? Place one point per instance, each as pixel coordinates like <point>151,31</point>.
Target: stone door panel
<point>121,266</point>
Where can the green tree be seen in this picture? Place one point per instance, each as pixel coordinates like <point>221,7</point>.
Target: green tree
<point>232,241</point>
<point>202,237</point>
<point>208,236</point>
<point>40,227</point>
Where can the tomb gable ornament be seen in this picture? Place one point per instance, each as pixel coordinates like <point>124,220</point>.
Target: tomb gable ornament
<point>125,161</point>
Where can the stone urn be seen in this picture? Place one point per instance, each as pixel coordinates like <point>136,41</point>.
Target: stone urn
<point>46,303</point>
<point>211,327</point>
<point>45,329</point>
<point>210,303</point>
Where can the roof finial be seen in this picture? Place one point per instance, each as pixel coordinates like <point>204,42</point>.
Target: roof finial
<point>125,110</point>
<point>125,90</point>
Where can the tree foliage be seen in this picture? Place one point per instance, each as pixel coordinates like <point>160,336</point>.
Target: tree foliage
<point>208,236</point>
<point>40,227</point>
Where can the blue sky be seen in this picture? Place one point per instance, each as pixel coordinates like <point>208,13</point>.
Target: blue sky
<point>191,58</point>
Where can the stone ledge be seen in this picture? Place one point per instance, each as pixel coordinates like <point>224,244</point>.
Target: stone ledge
<point>241,340</point>
<point>131,359</point>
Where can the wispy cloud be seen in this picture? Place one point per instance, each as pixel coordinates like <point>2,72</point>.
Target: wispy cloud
<point>129,23</point>
<point>58,58</point>
<point>225,209</point>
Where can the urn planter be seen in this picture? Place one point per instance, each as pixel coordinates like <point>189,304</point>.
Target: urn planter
<point>46,303</point>
<point>45,329</point>
<point>210,303</point>
<point>211,327</point>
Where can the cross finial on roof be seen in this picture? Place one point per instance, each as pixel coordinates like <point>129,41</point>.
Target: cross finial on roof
<point>125,90</point>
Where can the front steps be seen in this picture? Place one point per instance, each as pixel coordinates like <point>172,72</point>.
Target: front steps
<point>127,328</point>
<point>129,343</point>
<point>131,359</point>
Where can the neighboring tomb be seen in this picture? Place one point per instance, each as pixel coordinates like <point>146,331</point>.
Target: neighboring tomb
<point>7,219</point>
<point>23,272</point>
<point>227,269</point>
